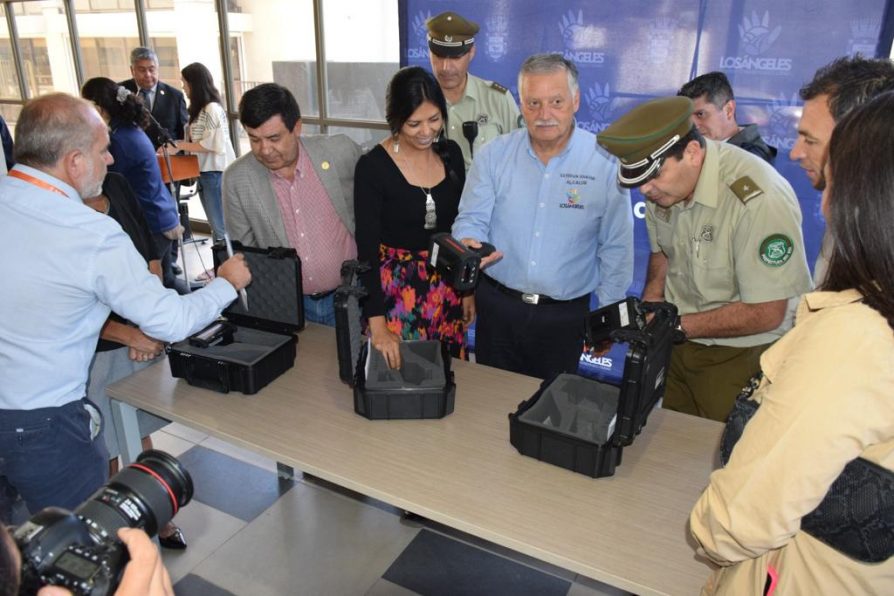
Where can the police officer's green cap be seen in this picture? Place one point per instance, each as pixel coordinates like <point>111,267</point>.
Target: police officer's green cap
<point>450,35</point>
<point>642,136</point>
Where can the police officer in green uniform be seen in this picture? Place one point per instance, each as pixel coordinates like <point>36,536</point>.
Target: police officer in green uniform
<point>477,110</point>
<point>727,249</point>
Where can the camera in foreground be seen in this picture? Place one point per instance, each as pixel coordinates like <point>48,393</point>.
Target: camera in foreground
<point>80,550</point>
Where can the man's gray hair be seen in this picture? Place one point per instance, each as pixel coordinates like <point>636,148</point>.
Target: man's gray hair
<point>51,126</point>
<point>141,53</point>
<point>549,63</point>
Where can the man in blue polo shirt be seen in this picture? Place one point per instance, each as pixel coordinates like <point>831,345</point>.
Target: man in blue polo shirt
<point>548,199</point>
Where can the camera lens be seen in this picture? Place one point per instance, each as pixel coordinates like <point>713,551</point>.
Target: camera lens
<point>146,494</point>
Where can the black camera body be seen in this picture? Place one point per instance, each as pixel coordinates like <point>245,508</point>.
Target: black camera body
<point>457,263</point>
<point>80,550</point>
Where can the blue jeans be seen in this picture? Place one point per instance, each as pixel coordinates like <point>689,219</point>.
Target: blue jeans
<point>48,456</point>
<point>210,195</point>
<point>321,310</point>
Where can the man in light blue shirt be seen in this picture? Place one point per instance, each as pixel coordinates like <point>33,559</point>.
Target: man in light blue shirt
<point>65,267</point>
<point>548,199</point>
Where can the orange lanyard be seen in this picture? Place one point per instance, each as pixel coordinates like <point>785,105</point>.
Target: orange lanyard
<point>36,182</point>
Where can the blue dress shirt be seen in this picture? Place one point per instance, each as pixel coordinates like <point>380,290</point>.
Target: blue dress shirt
<point>64,268</point>
<point>565,228</point>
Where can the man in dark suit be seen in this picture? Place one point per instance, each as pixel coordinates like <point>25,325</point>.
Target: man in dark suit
<point>166,104</point>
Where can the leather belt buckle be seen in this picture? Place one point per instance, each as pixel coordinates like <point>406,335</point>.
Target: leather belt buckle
<point>530,298</point>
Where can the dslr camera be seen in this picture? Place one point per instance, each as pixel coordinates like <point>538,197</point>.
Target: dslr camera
<point>80,550</point>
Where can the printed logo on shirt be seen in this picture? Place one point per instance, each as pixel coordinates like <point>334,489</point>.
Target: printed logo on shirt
<point>572,199</point>
<point>776,250</point>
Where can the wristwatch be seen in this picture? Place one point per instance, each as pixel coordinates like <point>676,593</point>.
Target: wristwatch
<point>678,328</point>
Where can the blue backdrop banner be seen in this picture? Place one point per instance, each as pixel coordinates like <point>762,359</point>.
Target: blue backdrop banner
<point>632,51</point>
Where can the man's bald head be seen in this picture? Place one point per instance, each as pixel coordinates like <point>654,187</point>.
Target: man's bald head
<point>50,126</point>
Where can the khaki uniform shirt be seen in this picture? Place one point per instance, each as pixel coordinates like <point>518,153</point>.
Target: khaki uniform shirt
<point>737,240</point>
<point>826,399</point>
<point>486,103</point>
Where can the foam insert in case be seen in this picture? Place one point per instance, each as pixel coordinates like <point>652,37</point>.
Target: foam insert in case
<point>264,343</point>
<point>422,387</point>
<point>582,424</point>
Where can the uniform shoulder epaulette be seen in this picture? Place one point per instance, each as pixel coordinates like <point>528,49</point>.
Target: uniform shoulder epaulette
<point>498,87</point>
<point>746,189</point>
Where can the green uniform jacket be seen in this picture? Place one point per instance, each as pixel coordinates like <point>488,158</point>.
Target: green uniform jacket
<point>488,104</point>
<point>737,240</point>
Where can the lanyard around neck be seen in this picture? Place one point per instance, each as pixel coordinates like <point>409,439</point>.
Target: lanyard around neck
<point>36,182</point>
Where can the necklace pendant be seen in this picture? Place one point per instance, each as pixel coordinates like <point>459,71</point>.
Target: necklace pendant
<point>431,217</point>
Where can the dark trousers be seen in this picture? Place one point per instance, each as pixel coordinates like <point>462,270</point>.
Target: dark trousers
<point>705,380</point>
<point>48,457</point>
<point>536,340</point>
<point>164,247</point>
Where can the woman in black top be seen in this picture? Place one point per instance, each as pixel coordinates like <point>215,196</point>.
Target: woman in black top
<point>406,189</point>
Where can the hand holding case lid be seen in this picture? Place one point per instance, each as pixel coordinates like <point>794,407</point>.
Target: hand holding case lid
<point>423,387</point>
<point>264,343</point>
<point>582,424</point>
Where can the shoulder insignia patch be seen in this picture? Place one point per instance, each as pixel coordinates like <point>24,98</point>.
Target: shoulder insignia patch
<point>498,87</point>
<point>746,189</point>
<point>775,250</point>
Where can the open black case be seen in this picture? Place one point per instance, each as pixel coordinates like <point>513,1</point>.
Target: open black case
<point>423,387</point>
<point>582,424</point>
<point>263,341</point>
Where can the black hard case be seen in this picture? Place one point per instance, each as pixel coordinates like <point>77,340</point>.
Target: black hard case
<point>422,388</point>
<point>568,422</point>
<point>264,343</point>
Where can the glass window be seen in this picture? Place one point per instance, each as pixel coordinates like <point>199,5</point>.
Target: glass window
<point>9,86</point>
<point>106,55</point>
<point>362,53</point>
<point>46,47</point>
<point>274,48</point>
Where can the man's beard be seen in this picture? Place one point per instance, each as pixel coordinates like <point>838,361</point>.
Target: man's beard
<point>91,187</point>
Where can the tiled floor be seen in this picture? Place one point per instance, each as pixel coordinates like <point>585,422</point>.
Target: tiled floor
<point>252,533</point>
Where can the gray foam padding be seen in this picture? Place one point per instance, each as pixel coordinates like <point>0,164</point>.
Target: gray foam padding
<point>249,346</point>
<point>422,366</point>
<point>576,406</point>
<point>272,294</point>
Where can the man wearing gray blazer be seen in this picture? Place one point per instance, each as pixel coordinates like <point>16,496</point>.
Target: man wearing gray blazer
<point>293,191</point>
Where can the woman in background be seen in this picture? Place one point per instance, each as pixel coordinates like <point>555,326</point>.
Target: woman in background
<point>805,505</point>
<point>406,189</point>
<point>135,159</point>
<point>208,136</point>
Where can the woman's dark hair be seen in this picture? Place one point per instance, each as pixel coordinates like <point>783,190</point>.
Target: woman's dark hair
<point>409,88</point>
<point>861,195</point>
<point>201,88</point>
<point>118,102</point>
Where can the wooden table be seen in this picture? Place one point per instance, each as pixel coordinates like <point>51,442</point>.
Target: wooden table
<point>629,530</point>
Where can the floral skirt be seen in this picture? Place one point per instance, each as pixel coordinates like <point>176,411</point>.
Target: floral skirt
<point>418,303</point>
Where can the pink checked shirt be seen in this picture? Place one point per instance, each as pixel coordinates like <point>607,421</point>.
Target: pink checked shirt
<point>313,227</point>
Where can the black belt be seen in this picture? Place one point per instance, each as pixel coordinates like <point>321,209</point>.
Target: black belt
<point>528,298</point>
<point>320,295</point>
